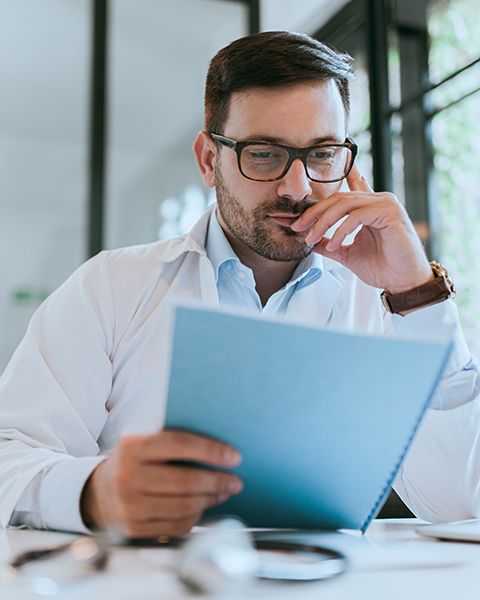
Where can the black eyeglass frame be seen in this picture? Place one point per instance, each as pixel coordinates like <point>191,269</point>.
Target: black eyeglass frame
<point>293,153</point>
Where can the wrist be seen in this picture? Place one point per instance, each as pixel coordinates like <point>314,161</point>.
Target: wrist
<point>438,288</point>
<point>427,276</point>
<point>89,504</point>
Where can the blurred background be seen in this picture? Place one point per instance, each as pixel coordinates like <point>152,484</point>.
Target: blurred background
<point>100,101</point>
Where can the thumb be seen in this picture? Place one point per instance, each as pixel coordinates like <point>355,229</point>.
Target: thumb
<point>357,182</point>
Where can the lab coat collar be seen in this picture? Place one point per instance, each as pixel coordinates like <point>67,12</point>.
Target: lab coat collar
<point>194,241</point>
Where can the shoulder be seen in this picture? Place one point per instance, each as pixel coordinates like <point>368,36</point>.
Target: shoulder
<point>123,275</point>
<point>147,256</point>
<point>135,264</point>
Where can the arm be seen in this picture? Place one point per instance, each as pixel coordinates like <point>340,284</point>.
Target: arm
<point>52,403</point>
<point>53,407</point>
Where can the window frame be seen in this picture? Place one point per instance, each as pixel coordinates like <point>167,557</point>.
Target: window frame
<point>373,20</point>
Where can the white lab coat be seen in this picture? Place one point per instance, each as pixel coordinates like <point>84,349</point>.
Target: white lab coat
<point>91,367</point>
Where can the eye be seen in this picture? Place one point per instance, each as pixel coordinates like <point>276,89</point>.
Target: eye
<point>323,154</point>
<point>261,154</point>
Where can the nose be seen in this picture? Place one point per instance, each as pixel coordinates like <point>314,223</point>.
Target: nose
<point>295,184</point>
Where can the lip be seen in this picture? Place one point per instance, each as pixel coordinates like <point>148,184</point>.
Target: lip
<point>284,219</point>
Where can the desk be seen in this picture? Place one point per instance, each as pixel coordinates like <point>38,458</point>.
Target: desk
<point>390,561</point>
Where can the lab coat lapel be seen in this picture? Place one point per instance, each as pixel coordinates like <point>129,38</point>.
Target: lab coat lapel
<point>190,249</point>
<point>208,285</point>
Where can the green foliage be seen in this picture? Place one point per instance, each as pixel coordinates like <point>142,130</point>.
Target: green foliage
<point>454,33</point>
<point>454,30</point>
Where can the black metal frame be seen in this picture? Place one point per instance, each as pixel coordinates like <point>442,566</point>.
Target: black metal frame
<point>98,125</point>
<point>427,88</point>
<point>377,52</point>
<point>416,132</point>
<point>253,16</point>
<point>98,120</point>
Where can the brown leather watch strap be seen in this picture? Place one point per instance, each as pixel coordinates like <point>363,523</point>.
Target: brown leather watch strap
<point>432,292</point>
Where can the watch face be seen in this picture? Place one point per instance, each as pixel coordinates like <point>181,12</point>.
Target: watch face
<point>439,269</point>
<point>441,273</point>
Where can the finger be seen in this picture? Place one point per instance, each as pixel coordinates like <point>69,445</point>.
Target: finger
<point>160,528</point>
<point>336,212</point>
<point>351,223</point>
<point>142,508</point>
<point>356,181</point>
<point>171,445</point>
<point>178,480</point>
<point>338,199</point>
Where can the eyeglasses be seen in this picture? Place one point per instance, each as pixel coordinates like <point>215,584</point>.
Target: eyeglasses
<point>264,161</point>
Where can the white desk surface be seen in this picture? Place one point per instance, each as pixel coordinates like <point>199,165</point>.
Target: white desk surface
<point>390,561</point>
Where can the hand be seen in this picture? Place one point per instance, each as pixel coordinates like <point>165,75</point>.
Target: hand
<point>386,252</point>
<point>139,492</point>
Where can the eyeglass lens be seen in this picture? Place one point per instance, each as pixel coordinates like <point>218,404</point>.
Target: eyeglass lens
<point>266,162</point>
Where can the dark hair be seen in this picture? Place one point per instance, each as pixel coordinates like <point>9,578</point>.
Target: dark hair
<point>270,58</point>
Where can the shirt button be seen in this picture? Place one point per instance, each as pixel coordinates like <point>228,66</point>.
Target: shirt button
<point>242,275</point>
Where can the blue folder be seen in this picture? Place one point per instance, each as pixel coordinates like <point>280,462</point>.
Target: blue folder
<point>323,419</point>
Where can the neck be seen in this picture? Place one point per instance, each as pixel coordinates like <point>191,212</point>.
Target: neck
<point>270,275</point>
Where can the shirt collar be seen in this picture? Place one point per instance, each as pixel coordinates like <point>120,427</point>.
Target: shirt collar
<point>220,253</point>
<point>308,270</point>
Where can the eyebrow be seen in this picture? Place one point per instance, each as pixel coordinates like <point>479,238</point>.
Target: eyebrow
<point>277,140</point>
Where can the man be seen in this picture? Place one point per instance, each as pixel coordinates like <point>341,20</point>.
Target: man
<point>83,398</point>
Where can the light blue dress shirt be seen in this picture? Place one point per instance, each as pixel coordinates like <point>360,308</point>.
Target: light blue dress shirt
<point>236,282</point>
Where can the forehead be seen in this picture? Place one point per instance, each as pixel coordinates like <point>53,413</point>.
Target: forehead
<point>294,114</point>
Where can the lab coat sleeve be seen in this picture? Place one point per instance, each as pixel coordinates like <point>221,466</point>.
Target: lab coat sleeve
<point>53,397</point>
<point>440,477</point>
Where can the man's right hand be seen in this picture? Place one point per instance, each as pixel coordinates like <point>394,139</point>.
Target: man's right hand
<point>137,491</point>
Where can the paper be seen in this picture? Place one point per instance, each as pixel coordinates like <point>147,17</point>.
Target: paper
<point>322,419</point>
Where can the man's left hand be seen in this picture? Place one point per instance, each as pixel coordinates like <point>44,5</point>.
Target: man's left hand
<point>386,253</point>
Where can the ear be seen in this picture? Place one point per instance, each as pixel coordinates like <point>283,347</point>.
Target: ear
<point>205,153</point>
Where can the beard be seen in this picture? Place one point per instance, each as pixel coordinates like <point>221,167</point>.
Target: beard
<point>256,231</point>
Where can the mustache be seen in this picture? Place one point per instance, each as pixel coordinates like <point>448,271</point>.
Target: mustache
<point>285,206</point>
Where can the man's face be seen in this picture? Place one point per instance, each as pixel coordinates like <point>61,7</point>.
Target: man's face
<point>257,214</point>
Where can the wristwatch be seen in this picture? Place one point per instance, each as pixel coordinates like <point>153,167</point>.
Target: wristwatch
<point>432,292</point>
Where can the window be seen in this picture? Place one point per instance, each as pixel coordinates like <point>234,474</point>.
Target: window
<point>454,33</point>
<point>420,62</point>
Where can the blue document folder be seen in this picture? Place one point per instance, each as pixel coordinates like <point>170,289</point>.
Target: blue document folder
<point>323,419</point>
